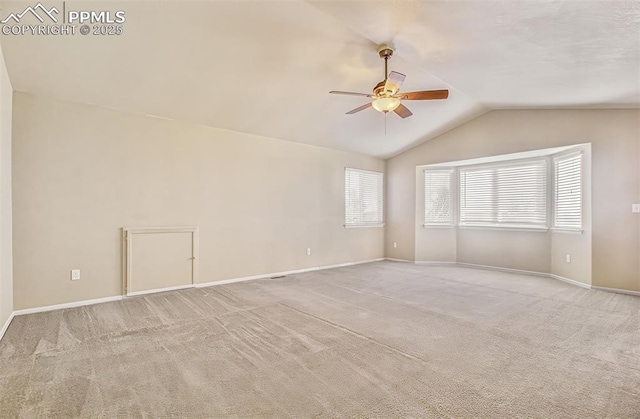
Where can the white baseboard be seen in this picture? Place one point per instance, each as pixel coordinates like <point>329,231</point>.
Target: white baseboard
<point>284,273</point>
<point>179,287</point>
<point>68,305</point>
<point>501,269</point>
<point>570,281</point>
<point>435,263</point>
<point>342,265</point>
<point>201,285</point>
<point>6,324</point>
<point>522,272</point>
<point>253,278</point>
<point>617,291</point>
<point>533,273</point>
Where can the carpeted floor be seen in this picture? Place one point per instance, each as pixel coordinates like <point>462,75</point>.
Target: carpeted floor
<point>380,340</point>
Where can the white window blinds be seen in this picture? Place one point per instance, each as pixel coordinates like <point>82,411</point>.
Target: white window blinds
<point>363,192</point>
<point>568,191</point>
<point>506,195</point>
<point>437,197</point>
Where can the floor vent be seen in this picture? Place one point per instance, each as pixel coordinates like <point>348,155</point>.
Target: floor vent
<point>278,277</point>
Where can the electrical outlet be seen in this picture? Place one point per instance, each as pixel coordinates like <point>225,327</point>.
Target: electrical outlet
<point>75,274</point>
<point>395,245</point>
<point>568,258</point>
<point>308,251</point>
<point>635,208</point>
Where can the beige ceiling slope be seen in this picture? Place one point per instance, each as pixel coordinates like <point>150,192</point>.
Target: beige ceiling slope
<point>266,67</point>
<point>259,67</point>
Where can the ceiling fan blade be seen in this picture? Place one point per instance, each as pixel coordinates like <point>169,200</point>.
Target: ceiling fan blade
<point>403,111</point>
<point>337,92</point>
<point>425,95</point>
<point>361,108</point>
<point>394,81</point>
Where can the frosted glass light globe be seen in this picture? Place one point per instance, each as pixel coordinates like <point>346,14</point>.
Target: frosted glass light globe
<point>385,104</point>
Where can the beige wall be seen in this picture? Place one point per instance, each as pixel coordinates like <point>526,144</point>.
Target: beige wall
<point>529,251</point>
<point>6,270</point>
<point>609,260</point>
<point>81,173</point>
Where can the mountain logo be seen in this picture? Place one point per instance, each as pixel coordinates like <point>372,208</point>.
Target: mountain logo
<point>36,11</point>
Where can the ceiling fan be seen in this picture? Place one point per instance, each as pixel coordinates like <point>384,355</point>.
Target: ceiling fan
<point>386,96</point>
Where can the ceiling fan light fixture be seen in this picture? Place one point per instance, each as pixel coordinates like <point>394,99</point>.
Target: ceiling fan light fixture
<point>385,104</point>
<point>385,97</point>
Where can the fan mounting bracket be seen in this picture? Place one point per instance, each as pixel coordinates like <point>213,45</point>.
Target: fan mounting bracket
<point>385,51</point>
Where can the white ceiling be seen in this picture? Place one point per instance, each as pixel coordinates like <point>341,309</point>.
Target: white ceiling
<point>265,67</point>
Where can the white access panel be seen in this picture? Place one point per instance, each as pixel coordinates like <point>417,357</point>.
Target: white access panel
<point>159,259</point>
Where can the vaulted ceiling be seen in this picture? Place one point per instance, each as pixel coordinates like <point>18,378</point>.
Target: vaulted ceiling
<point>266,67</point>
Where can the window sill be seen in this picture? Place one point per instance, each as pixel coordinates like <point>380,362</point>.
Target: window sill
<point>505,228</point>
<point>438,226</point>
<point>567,230</point>
<point>364,225</point>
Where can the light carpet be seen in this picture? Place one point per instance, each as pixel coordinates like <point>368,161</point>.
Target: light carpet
<point>380,340</point>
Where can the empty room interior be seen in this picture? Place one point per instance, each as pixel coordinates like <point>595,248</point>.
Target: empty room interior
<point>310,209</point>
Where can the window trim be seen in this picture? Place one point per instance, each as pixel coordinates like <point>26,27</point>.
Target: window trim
<point>363,225</point>
<point>511,227</point>
<point>382,199</point>
<point>566,230</point>
<point>439,226</point>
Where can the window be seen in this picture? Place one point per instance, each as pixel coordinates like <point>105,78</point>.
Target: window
<point>568,191</point>
<point>437,197</point>
<point>512,195</point>
<point>363,198</point>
